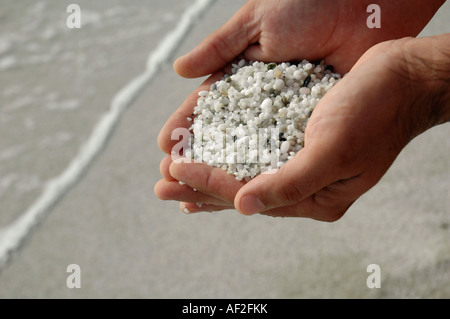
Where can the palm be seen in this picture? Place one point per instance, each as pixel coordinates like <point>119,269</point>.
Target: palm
<point>279,31</point>
<point>295,30</point>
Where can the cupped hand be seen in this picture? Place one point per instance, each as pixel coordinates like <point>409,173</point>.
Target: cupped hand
<point>392,94</point>
<point>289,30</point>
<point>278,31</point>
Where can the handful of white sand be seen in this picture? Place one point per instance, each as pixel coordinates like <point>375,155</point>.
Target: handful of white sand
<point>254,120</point>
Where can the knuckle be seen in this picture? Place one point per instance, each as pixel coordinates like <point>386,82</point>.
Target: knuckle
<point>219,46</point>
<point>291,191</point>
<point>291,194</point>
<point>209,180</point>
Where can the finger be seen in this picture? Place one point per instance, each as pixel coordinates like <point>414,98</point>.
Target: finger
<point>329,204</point>
<point>207,179</point>
<point>179,118</point>
<point>256,52</point>
<point>220,47</point>
<point>190,208</point>
<point>172,190</point>
<point>309,171</point>
<point>259,52</point>
<point>308,208</point>
<point>164,168</point>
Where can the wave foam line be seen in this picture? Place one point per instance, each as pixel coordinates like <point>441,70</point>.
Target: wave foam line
<point>12,235</point>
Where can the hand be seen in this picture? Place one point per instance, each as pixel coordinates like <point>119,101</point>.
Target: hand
<point>215,188</point>
<point>392,94</point>
<point>280,31</point>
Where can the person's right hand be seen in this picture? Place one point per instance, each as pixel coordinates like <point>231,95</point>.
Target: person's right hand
<point>288,30</point>
<point>276,31</point>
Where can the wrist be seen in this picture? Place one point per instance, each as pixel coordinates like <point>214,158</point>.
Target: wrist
<point>425,67</point>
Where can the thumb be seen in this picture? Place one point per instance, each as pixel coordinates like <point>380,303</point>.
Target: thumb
<point>220,47</point>
<point>305,174</point>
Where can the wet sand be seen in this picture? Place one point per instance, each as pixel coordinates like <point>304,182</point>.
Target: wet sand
<point>129,244</point>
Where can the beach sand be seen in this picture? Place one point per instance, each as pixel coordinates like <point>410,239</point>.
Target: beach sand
<point>130,244</point>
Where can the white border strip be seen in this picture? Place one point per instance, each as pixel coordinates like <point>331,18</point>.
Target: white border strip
<point>12,235</point>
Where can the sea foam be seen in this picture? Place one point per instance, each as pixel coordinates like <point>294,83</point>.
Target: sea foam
<point>12,235</point>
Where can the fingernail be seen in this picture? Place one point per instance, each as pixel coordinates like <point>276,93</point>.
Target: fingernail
<point>250,204</point>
